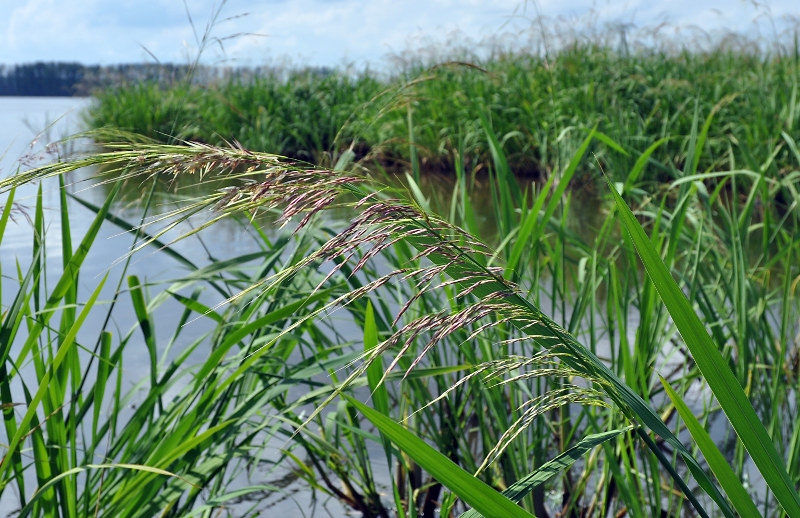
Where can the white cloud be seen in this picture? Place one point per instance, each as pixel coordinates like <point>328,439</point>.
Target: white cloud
<point>318,32</point>
<point>325,32</point>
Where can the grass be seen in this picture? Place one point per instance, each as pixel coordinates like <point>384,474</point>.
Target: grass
<point>545,369</point>
<point>301,115</point>
<point>540,109</point>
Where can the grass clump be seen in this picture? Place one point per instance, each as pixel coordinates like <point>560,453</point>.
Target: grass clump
<point>300,115</point>
<point>456,344</point>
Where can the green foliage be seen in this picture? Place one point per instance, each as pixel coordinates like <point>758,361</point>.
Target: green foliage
<point>494,384</point>
<point>539,110</point>
<point>547,369</point>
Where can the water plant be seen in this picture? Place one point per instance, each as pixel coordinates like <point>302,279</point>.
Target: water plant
<point>513,364</point>
<point>488,378</point>
<point>539,106</point>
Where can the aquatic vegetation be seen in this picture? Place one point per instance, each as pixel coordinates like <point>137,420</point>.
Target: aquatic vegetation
<point>455,345</point>
<point>535,363</point>
<point>540,107</point>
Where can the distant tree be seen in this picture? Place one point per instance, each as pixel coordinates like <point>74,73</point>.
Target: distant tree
<point>71,79</point>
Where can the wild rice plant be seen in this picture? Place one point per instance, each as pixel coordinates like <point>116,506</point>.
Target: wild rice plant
<point>74,446</point>
<point>488,378</point>
<point>539,107</point>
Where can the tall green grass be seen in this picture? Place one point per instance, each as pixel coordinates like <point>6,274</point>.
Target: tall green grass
<point>557,367</point>
<point>539,107</point>
<point>94,447</point>
<point>305,115</point>
<point>548,366</point>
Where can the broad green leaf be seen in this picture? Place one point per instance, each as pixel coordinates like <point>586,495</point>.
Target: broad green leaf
<point>471,490</point>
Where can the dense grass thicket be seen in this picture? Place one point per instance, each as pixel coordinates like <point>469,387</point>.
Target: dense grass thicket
<point>649,370</point>
<point>539,108</point>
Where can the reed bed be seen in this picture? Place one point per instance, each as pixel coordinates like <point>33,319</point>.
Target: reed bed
<point>648,370</point>
<point>539,106</point>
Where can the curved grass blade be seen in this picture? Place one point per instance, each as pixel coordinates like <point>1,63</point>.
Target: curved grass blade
<point>719,377</point>
<point>727,478</point>
<point>474,492</point>
<point>562,461</point>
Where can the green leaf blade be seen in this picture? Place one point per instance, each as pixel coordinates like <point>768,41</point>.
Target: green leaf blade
<point>727,478</point>
<point>719,377</point>
<point>474,492</point>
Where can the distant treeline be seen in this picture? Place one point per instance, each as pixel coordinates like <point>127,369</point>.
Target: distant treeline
<point>75,79</point>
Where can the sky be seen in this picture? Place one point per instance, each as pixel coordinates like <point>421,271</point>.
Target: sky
<point>336,32</point>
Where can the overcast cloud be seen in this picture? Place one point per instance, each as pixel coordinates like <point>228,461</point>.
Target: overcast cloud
<point>323,32</point>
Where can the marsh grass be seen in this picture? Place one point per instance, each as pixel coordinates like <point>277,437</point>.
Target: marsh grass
<point>455,345</point>
<point>546,366</point>
<point>539,108</point>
